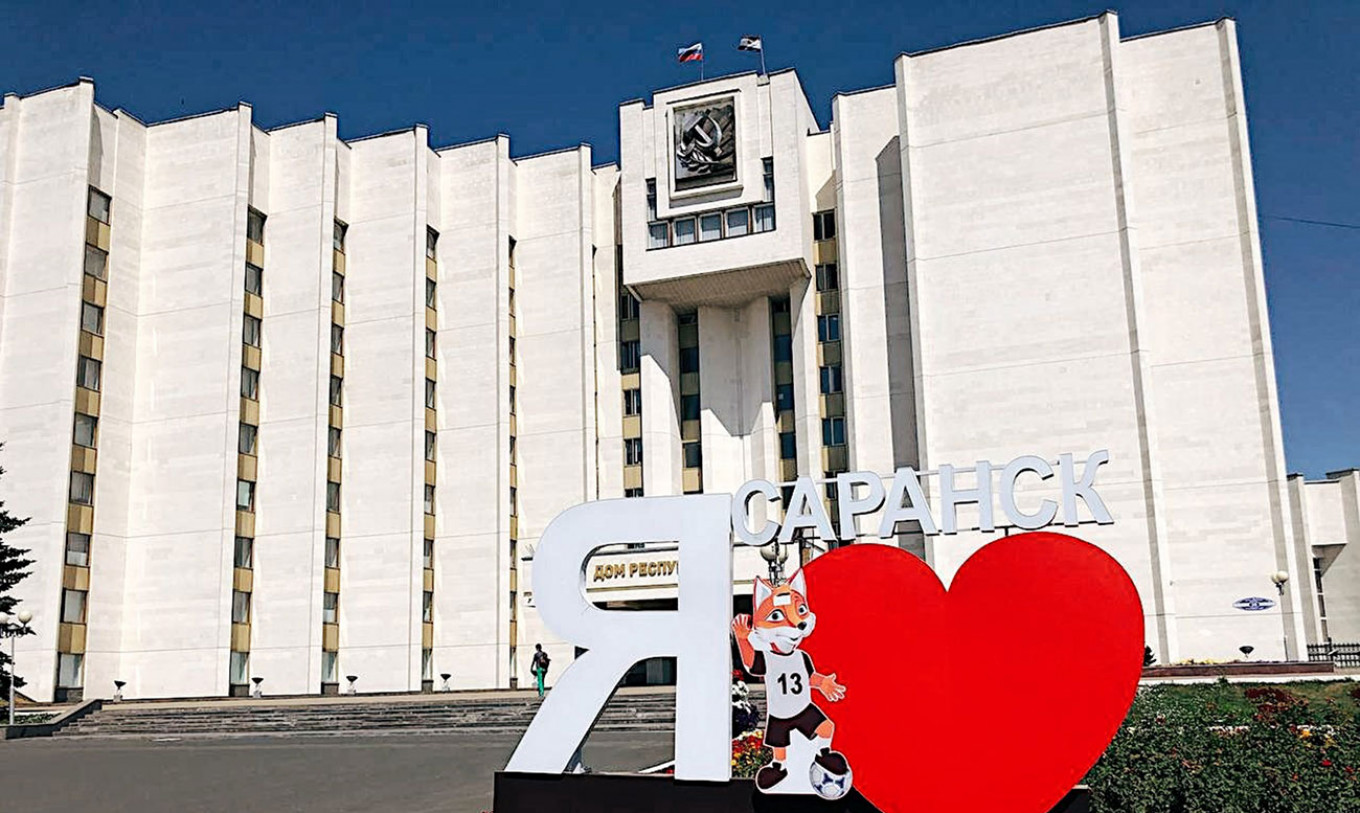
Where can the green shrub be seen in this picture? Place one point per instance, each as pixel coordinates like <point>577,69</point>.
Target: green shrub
<point>1225,748</point>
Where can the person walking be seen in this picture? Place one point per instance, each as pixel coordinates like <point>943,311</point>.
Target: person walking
<point>540,667</point>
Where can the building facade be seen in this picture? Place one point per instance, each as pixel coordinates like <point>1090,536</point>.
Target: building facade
<point>327,394</point>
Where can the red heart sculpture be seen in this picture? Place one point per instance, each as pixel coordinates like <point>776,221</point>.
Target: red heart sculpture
<point>996,696</point>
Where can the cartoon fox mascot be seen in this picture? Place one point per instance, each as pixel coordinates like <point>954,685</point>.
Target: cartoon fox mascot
<point>768,641</point>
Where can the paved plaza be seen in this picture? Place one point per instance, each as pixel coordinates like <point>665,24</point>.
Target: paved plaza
<point>336,774</point>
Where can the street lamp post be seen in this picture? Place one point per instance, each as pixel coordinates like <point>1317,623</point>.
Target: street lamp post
<point>11,627</point>
<point>1280,578</point>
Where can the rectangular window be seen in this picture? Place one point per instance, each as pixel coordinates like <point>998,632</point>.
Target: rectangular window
<point>632,451</point>
<point>70,670</point>
<point>246,443</point>
<point>99,205</point>
<point>78,549</point>
<point>254,280</point>
<point>330,610</point>
<point>764,218</point>
<point>710,226</point>
<point>832,379</point>
<point>429,445</point>
<point>73,606</point>
<point>633,492</point>
<point>689,407</point>
<point>337,340</point>
<point>86,425</point>
<point>694,455</point>
<point>514,501</point>
<point>245,551</point>
<point>427,607</point>
<point>92,318</point>
<point>96,262</point>
<point>255,226</point>
<point>429,499</point>
<point>429,343</point>
<point>767,167</point>
<point>780,305</point>
<point>429,393</point>
<point>431,243</point>
<point>87,373</point>
<point>630,355</point>
<point>338,287</point>
<point>82,488</point>
<point>238,671</point>
<point>833,431</point>
<point>250,383</point>
<point>338,236</point>
<point>332,551</point>
<point>337,391</point>
<point>333,445</point>
<point>632,402</point>
<point>824,225</point>
<point>788,445</point>
<point>332,496</point>
<point>658,235</point>
<point>429,554</point>
<point>245,495</point>
<point>628,306</point>
<point>689,360</point>
<point>330,667</point>
<point>738,222</point>
<point>684,231</point>
<point>651,199</point>
<point>427,664</point>
<point>512,399</point>
<point>250,331</point>
<point>512,349</point>
<point>829,327</point>
<point>240,607</point>
<point>828,277</point>
<point>783,397</point>
<point>783,347</point>
<point>429,292</point>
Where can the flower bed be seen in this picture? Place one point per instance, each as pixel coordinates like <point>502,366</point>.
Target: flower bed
<point>1224,748</point>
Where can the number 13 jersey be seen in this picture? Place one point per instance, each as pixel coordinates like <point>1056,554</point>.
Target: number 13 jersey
<point>788,682</point>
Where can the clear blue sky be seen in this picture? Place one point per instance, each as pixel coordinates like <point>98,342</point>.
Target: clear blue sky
<point>552,76</point>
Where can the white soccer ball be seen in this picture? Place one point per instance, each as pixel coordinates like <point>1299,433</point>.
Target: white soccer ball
<point>829,785</point>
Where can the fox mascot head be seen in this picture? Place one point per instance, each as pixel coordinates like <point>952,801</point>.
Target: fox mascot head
<point>781,619</point>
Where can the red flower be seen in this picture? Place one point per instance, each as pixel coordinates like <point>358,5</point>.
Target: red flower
<point>1326,763</point>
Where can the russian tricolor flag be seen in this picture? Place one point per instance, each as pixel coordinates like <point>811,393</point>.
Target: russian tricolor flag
<point>693,53</point>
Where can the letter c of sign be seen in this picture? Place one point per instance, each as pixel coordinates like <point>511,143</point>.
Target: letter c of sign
<point>740,512</point>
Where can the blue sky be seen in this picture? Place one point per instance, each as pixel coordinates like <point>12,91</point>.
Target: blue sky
<point>552,75</point>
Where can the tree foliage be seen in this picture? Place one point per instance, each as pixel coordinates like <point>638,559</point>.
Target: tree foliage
<point>13,569</point>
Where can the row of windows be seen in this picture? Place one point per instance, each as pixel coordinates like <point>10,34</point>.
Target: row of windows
<point>704,228</point>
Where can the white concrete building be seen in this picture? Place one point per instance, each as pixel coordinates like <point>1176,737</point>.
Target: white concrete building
<point>329,393</point>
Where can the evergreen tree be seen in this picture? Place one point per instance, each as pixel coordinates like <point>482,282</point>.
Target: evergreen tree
<point>13,569</point>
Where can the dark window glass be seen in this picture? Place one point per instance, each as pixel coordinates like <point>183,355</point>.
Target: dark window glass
<point>333,497</point>
<point>338,236</point>
<point>254,279</point>
<point>255,226</point>
<point>632,402</point>
<point>96,262</point>
<point>689,407</point>
<point>824,225</point>
<point>630,355</point>
<point>82,488</point>
<point>99,205</point>
<point>78,549</point>
<point>85,430</point>
<point>689,360</point>
<point>250,384</point>
<point>783,397</point>
<point>632,451</point>
<point>694,455</point>
<point>338,287</point>
<point>829,327</point>
<point>246,440</point>
<point>833,431</point>
<point>429,393</point>
<point>832,381</point>
<point>783,348</point>
<point>245,495</point>
<point>250,331</point>
<point>788,445</point>
<point>828,277</point>
<point>337,390</point>
<point>87,373</point>
<point>92,318</point>
<point>245,551</point>
<point>337,340</point>
<point>431,243</point>
<point>429,292</point>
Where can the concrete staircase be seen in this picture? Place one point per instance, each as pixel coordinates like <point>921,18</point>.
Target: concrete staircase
<point>500,712</point>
